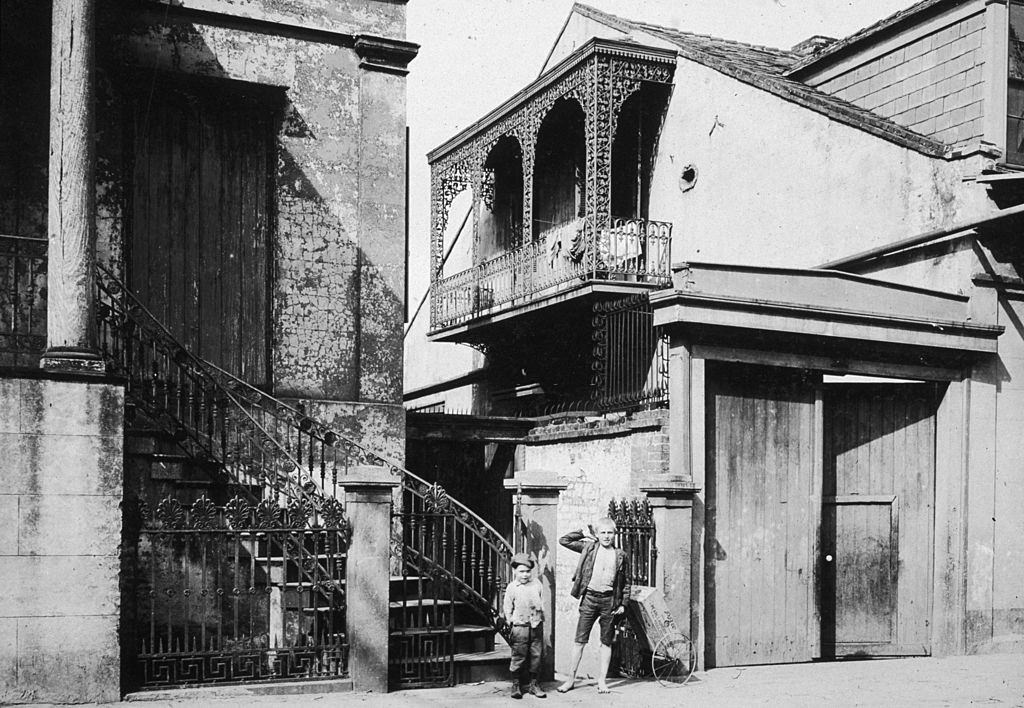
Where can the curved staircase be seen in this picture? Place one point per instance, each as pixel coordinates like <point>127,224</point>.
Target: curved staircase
<point>203,432</point>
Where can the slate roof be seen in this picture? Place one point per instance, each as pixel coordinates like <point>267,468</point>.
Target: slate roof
<point>766,68</point>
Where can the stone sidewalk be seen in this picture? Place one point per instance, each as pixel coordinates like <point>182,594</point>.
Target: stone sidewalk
<point>994,680</point>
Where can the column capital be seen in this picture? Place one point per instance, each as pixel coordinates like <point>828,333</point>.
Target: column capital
<point>384,54</point>
<point>669,491</point>
<point>539,489</point>
<point>369,484</point>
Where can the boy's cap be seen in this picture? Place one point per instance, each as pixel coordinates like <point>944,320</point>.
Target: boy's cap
<point>522,559</point>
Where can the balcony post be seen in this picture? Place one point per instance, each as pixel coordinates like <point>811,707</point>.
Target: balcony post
<point>598,128</point>
<point>71,329</point>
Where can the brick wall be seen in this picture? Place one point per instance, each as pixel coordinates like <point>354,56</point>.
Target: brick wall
<point>932,85</point>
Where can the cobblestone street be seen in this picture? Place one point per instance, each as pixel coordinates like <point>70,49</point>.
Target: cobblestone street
<point>996,680</point>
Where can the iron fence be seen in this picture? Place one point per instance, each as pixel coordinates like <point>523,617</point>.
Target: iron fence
<point>635,534</point>
<point>22,300</point>
<point>223,595</point>
<point>630,250</point>
<point>630,355</point>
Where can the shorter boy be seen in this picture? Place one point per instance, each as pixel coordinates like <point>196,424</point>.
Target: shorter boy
<point>524,612</point>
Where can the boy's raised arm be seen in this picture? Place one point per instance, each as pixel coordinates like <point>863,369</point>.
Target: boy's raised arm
<point>573,540</point>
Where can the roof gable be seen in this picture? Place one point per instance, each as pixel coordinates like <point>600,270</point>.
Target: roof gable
<point>763,67</point>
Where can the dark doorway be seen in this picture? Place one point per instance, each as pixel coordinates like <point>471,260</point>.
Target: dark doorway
<point>202,215</point>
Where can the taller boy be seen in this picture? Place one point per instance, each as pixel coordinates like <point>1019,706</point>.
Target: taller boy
<point>601,584</point>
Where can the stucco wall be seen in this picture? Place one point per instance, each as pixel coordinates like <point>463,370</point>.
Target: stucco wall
<point>781,185</point>
<point>60,497</point>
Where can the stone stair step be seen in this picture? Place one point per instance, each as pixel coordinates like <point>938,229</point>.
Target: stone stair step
<point>425,602</point>
<point>459,629</point>
<point>502,653</point>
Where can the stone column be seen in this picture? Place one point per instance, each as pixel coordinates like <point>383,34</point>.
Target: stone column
<point>672,505</point>
<point>368,506</point>
<point>71,329</point>
<point>383,66</point>
<point>540,518</point>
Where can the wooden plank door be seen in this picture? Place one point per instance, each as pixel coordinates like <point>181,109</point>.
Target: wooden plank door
<point>877,519</point>
<point>760,513</point>
<point>203,164</point>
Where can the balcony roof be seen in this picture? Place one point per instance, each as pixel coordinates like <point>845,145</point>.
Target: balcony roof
<point>826,305</point>
<point>519,100</point>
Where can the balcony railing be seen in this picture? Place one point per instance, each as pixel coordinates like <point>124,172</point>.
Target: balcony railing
<point>631,250</point>
<point>22,300</point>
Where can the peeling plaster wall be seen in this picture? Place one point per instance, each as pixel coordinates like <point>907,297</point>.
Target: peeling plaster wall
<point>339,254</point>
<point>60,497</point>
<point>779,184</point>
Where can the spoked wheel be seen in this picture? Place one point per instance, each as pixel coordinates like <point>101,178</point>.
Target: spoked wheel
<point>673,661</point>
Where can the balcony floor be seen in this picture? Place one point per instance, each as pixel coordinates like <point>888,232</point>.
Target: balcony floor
<point>487,321</point>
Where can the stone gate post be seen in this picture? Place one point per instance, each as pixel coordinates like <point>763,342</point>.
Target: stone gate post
<point>540,529</point>
<point>368,506</point>
<point>672,506</point>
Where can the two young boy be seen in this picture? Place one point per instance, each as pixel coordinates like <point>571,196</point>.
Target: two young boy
<point>601,584</point>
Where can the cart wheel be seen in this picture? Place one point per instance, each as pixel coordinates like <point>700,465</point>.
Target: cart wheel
<point>673,661</point>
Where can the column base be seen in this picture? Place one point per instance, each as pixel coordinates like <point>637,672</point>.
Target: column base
<point>73,361</point>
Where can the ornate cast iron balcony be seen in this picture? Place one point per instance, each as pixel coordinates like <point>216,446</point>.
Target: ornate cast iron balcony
<point>544,173</point>
<point>630,251</point>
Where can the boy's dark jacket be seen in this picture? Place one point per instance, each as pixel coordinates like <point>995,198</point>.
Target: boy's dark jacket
<point>575,541</point>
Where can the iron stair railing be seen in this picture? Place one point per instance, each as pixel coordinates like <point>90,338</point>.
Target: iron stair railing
<point>176,390</point>
<point>479,554</point>
<point>255,439</point>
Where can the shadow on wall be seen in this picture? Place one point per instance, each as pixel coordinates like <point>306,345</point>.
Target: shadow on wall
<point>332,312</point>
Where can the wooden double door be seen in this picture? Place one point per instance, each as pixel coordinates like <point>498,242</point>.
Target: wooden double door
<point>203,162</point>
<point>819,517</point>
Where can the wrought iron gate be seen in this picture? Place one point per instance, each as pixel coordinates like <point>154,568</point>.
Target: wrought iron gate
<point>424,603</point>
<point>635,535</point>
<point>220,595</point>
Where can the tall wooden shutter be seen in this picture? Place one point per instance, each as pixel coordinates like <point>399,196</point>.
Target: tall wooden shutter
<point>201,216</point>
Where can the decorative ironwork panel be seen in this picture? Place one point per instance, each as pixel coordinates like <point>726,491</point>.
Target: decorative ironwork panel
<point>424,601</point>
<point>629,251</point>
<point>23,266</point>
<point>635,535</point>
<point>630,364</point>
<point>231,594</point>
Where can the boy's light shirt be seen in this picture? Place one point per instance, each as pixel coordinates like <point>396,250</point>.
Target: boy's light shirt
<point>523,603</point>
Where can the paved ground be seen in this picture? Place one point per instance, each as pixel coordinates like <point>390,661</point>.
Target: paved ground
<point>995,680</point>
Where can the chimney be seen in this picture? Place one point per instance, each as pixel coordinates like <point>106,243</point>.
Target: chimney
<point>812,45</point>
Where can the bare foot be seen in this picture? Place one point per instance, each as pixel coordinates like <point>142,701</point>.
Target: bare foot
<point>567,686</point>
<point>603,688</point>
